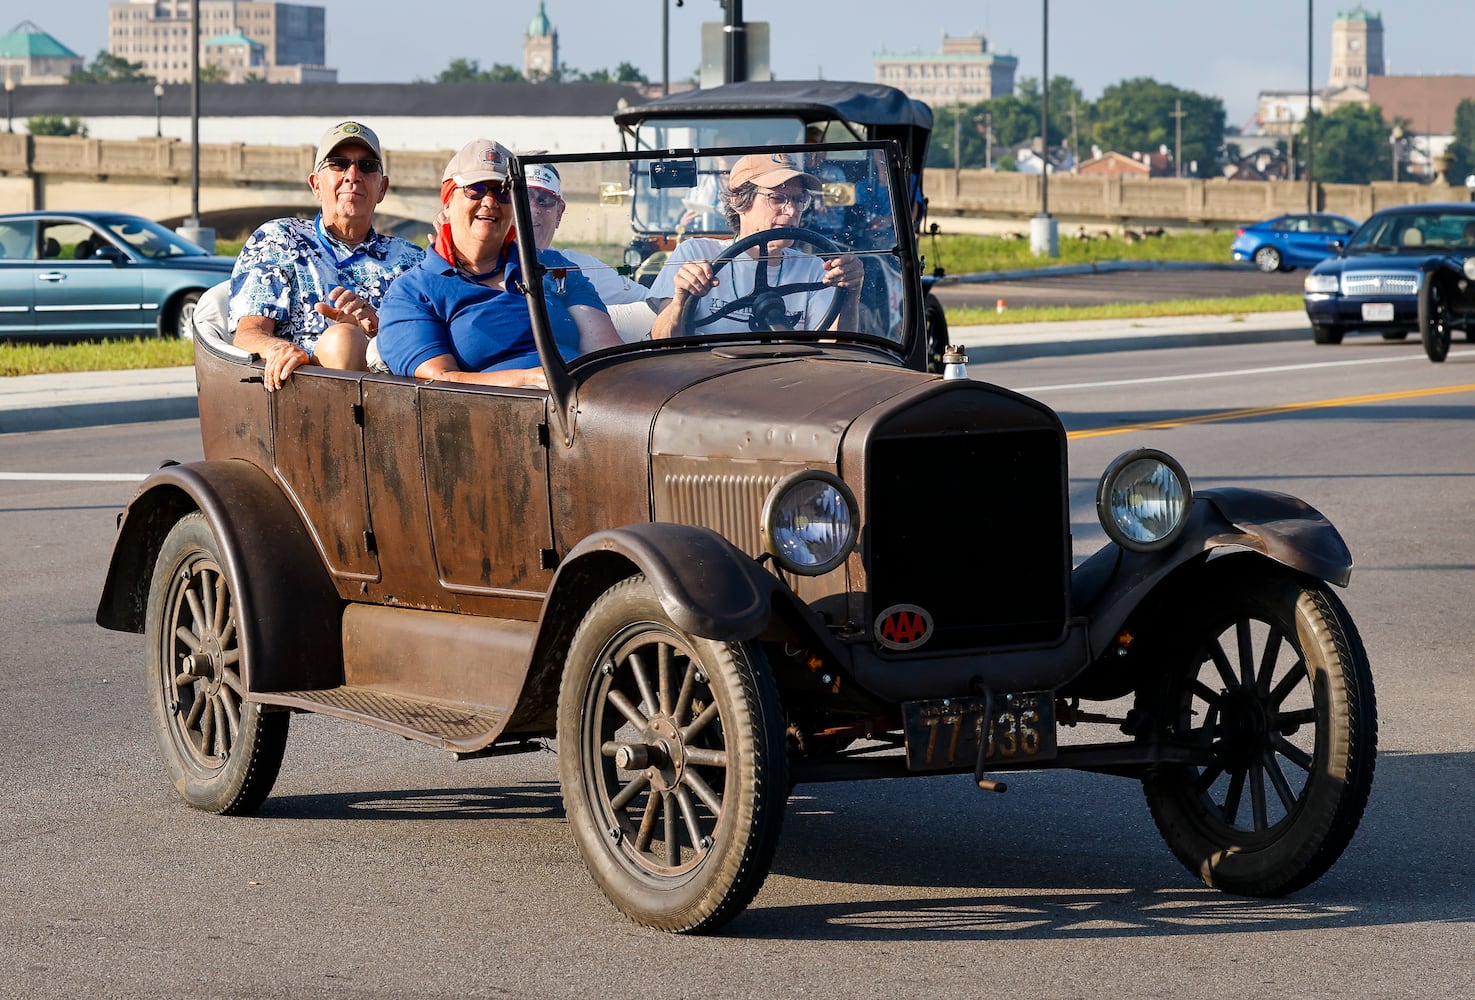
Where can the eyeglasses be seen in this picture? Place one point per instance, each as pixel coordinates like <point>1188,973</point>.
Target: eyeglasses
<point>340,164</point>
<point>781,201</point>
<point>543,200</point>
<point>500,191</point>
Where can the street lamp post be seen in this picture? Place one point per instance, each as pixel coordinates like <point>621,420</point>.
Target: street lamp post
<point>1310,123</point>
<point>1393,140</point>
<point>9,102</point>
<point>1044,240</point>
<point>158,111</point>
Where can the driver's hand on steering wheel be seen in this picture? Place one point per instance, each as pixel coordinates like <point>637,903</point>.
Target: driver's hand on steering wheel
<point>695,279</point>
<point>845,271</point>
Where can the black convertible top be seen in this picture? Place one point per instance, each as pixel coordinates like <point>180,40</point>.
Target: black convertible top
<point>810,100</point>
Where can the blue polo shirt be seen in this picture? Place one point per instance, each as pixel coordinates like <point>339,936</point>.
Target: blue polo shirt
<point>435,309</point>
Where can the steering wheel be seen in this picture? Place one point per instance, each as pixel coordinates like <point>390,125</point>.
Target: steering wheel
<point>765,303</point>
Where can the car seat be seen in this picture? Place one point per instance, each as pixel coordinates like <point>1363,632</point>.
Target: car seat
<point>83,249</point>
<point>50,248</point>
<point>1413,237</point>
<point>209,319</point>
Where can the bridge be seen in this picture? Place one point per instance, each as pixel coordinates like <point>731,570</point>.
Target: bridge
<point>240,185</point>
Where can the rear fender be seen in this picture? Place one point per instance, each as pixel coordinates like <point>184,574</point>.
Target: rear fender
<point>292,639</point>
<point>1110,585</point>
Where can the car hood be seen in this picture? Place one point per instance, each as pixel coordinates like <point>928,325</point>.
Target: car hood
<point>1395,260</point>
<point>212,263</point>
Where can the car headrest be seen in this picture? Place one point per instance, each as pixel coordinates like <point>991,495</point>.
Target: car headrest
<point>50,248</point>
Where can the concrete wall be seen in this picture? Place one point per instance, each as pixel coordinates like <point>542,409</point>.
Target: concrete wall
<point>242,184</point>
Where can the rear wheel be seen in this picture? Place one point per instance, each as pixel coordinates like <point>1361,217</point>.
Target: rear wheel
<point>1434,319</point>
<point>1326,333</point>
<point>222,753</point>
<point>672,760</point>
<point>1267,679</point>
<point>182,319</point>
<point>936,333</point>
<point>1268,259</point>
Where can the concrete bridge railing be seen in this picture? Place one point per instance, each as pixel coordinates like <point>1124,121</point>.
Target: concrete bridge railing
<point>246,183</point>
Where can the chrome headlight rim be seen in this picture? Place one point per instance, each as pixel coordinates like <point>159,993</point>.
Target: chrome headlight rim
<point>772,505</point>
<point>1114,472</point>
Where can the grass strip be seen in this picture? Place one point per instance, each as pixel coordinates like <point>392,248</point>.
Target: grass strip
<point>94,356</point>
<point>1126,310</point>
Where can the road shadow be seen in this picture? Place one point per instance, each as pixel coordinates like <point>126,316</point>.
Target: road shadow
<point>1090,863</point>
<point>530,800</point>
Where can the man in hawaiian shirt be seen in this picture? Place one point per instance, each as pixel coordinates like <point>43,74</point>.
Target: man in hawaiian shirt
<point>308,292</point>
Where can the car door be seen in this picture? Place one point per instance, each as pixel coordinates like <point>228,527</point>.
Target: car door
<point>80,295</point>
<point>1300,244</point>
<point>17,277</point>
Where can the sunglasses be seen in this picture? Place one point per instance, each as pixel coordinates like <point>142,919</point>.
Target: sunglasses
<point>501,191</point>
<point>340,164</point>
<point>543,200</point>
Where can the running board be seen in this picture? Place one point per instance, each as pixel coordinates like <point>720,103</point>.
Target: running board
<point>462,729</point>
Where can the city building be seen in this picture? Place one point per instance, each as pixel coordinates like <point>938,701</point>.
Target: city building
<point>29,56</point>
<point>1357,60</point>
<point>156,34</point>
<point>964,71</point>
<point>539,47</point>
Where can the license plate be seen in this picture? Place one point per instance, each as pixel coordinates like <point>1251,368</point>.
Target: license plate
<point>950,732</point>
<point>1377,312</point>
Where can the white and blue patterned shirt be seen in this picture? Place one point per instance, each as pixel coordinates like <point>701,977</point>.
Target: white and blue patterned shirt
<point>290,265</point>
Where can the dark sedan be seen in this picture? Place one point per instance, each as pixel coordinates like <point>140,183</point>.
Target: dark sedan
<point>1406,269</point>
<point>1291,241</point>
<point>71,275</point>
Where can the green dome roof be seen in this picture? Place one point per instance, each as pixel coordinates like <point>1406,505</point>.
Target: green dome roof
<point>26,41</point>
<point>540,26</point>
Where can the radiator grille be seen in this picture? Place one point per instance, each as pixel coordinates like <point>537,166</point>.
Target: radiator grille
<point>728,503</point>
<point>974,529</point>
<point>1375,283</point>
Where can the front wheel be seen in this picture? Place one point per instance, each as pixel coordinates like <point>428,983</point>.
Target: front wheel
<point>221,752</point>
<point>1267,681</point>
<point>1267,259</point>
<point>1434,320</point>
<point>1326,333</point>
<point>672,761</point>
<point>183,318</point>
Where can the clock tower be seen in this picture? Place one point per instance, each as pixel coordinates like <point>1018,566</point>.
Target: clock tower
<point>1357,49</point>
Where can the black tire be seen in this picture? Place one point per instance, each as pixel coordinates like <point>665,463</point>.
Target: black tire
<point>1266,672</point>
<point>936,333</point>
<point>672,761</point>
<point>1395,334</point>
<point>1434,318</point>
<point>1326,333</point>
<point>1267,259</point>
<point>182,318</point>
<point>222,754</point>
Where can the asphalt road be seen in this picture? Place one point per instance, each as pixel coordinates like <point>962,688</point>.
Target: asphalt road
<point>380,868</point>
<point>1121,286</point>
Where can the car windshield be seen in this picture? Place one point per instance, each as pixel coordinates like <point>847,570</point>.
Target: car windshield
<point>1416,230</point>
<point>149,239</point>
<point>799,213</point>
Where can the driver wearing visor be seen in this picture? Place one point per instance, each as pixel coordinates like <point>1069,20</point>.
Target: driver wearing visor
<point>768,284</point>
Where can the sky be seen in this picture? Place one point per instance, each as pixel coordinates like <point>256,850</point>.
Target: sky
<point>1230,49</point>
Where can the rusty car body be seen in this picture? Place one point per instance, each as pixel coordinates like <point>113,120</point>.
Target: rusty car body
<point>705,568</point>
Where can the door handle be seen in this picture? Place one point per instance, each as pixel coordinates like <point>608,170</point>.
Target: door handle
<point>51,276</point>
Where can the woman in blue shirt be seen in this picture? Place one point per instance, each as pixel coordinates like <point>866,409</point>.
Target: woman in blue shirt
<point>459,316</point>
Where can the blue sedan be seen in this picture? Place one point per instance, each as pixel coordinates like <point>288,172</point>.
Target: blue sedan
<point>72,275</point>
<point>1291,241</point>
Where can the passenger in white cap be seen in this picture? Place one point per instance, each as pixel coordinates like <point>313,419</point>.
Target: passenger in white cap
<point>545,198</point>
<point>308,292</point>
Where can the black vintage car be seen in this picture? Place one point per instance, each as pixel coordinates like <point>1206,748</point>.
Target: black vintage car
<point>1406,269</point>
<point>708,569</point>
<point>762,113</point>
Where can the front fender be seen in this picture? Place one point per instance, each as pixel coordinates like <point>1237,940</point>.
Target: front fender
<point>708,586</point>
<point>1109,585</point>
<point>291,638</point>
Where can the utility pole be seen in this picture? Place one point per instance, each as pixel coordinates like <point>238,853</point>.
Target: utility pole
<point>957,139</point>
<point>1075,136</point>
<point>988,140</point>
<point>1044,238</point>
<point>1177,115</point>
<point>736,30</point>
<point>1310,125</point>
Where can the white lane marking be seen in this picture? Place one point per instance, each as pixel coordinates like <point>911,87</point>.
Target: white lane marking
<point>1237,372</point>
<point>76,477</point>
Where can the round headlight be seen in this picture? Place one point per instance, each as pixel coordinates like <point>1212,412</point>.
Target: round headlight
<point>1143,500</point>
<point>633,257</point>
<point>1469,268</point>
<point>809,522</point>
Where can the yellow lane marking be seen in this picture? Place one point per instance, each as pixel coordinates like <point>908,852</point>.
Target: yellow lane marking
<point>1261,411</point>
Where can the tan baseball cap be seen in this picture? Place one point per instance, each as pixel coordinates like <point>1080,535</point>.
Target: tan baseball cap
<point>478,161</point>
<point>769,170</point>
<point>347,132</point>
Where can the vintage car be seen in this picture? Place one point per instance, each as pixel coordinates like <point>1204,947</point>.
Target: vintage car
<point>67,275</point>
<point>709,568</point>
<point>777,112</point>
<point>1406,269</point>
